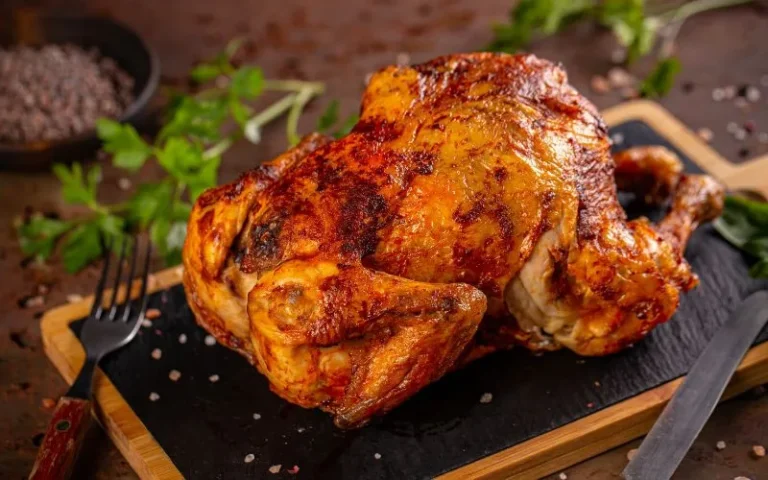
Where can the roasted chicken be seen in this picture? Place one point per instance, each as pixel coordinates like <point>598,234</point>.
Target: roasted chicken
<point>472,208</point>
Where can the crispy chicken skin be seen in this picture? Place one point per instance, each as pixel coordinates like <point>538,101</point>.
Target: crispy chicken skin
<point>472,208</point>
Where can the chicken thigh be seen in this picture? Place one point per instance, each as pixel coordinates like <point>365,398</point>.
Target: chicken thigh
<point>472,208</point>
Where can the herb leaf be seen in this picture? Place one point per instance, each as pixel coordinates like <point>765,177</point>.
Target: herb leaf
<point>347,126</point>
<point>247,82</point>
<point>744,223</point>
<point>129,149</point>
<point>77,188</point>
<point>659,82</point>
<point>329,117</point>
<point>150,199</point>
<point>82,247</point>
<point>185,162</point>
<point>39,235</point>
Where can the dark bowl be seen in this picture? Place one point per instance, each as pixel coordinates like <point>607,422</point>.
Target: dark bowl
<point>38,27</point>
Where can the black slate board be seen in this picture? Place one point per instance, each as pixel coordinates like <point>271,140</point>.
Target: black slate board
<point>208,428</point>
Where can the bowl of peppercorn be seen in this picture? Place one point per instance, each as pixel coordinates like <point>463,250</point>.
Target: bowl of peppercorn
<point>60,73</point>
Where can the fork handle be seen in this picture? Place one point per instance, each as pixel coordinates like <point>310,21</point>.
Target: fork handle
<point>62,441</point>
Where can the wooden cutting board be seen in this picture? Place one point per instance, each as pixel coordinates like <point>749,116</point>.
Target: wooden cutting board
<point>548,412</point>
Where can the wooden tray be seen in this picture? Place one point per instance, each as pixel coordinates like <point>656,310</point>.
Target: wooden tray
<point>578,432</point>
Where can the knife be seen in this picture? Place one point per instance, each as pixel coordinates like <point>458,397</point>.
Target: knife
<point>686,413</point>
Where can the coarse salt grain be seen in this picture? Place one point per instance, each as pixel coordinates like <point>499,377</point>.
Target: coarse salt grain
<point>705,134</point>
<point>618,78</point>
<point>631,454</point>
<point>729,92</point>
<point>152,313</point>
<point>249,458</point>
<point>590,405</point>
<point>174,375</point>
<point>213,378</point>
<point>210,341</point>
<point>153,397</point>
<point>740,134</point>
<point>403,58</point>
<point>617,138</point>
<point>758,451</point>
<point>301,429</point>
<point>486,398</point>
<point>182,338</point>
<point>74,298</point>
<point>157,353</point>
<point>257,416</point>
<point>275,468</point>
<point>753,94</point>
<point>732,127</point>
<point>293,470</point>
<point>741,102</point>
<point>720,445</point>
<point>718,94</point>
<point>597,384</point>
<point>124,183</point>
<point>600,84</point>
<point>562,476</point>
<point>740,477</point>
<point>762,137</point>
<point>146,323</point>
<point>377,456</point>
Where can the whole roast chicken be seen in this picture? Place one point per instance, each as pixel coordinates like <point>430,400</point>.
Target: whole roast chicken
<point>472,208</point>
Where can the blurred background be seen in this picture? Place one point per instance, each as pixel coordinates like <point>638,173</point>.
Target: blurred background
<point>720,92</point>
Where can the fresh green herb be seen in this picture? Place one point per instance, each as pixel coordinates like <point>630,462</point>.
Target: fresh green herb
<point>330,118</point>
<point>744,223</point>
<point>198,130</point>
<point>659,82</point>
<point>636,24</point>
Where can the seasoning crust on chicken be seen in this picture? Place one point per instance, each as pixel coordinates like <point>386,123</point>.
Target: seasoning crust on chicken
<point>471,209</point>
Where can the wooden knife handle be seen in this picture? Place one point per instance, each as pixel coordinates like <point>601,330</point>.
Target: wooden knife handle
<point>61,444</point>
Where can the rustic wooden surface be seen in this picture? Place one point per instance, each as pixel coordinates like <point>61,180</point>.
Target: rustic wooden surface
<point>339,42</point>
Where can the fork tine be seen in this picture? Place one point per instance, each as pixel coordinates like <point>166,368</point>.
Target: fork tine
<point>96,309</point>
<point>128,301</point>
<point>116,288</point>
<point>143,297</point>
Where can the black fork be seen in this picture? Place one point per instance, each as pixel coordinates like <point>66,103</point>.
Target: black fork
<point>106,329</point>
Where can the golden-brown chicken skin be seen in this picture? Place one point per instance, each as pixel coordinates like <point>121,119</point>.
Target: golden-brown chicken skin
<point>472,208</point>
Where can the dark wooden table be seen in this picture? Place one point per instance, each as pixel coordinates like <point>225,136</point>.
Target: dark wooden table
<point>339,42</point>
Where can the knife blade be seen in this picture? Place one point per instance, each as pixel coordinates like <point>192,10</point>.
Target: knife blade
<point>692,404</point>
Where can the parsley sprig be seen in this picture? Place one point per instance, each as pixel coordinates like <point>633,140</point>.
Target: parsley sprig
<point>637,25</point>
<point>198,130</point>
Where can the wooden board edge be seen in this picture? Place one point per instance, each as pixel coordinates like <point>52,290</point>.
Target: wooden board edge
<point>121,424</point>
<point>608,428</point>
<point>634,416</point>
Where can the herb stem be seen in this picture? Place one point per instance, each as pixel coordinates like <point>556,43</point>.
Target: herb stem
<point>689,9</point>
<point>292,123</point>
<point>294,86</point>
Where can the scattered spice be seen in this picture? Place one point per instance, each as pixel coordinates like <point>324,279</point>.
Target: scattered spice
<point>631,454</point>
<point>758,451</point>
<point>157,353</point>
<point>37,440</point>
<point>146,323</point>
<point>153,397</point>
<point>705,134</point>
<point>486,397</point>
<point>293,470</point>
<point>174,375</point>
<point>152,313</point>
<point>600,84</point>
<point>210,341</point>
<point>275,468</point>
<point>213,378</point>
<point>249,458</point>
<point>743,152</point>
<point>377,456</point>
<point>48,403</point>
<point>182,338</point>
<point>590,405</point>
<point>720,445</point>
<point>74,298</point>
<point>257,416</point>
<point>597,384</point>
